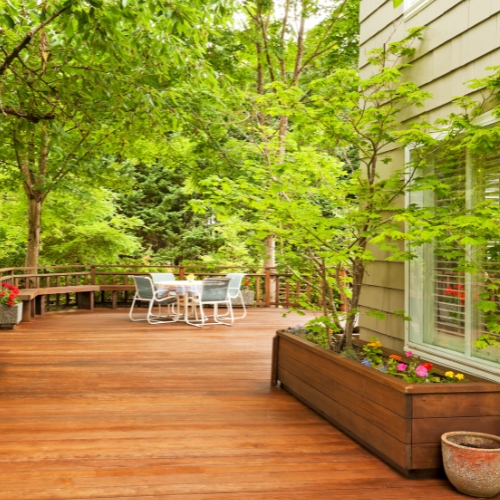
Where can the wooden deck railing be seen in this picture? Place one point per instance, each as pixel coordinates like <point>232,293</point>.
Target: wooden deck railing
<point>272,288</point>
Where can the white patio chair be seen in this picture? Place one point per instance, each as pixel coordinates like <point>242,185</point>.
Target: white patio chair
<point>145,292</point>
<point>157,277</point>
<point>215,292</point>
<point>160,277</point>
<point>235,291</point>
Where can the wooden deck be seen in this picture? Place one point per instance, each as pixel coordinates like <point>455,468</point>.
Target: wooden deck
<point>94,406</point>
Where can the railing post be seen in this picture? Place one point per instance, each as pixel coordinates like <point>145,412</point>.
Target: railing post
<point>92,275</point>
<point>268,287</point>
<point>181,272</point>
<point>276,289</point>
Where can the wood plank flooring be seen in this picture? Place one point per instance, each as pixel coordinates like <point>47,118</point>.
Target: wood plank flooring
<point>94,406</point>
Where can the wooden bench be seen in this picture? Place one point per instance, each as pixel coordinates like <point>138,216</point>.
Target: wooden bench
<point>34,298</point>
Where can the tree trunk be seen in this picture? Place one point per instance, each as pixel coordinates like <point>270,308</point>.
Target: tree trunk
<point>28,151</point>
<point>357,282</point>
<point>270,258</point>
<point>270,261</point>
<point>34,231</point>
<point>358,273</point>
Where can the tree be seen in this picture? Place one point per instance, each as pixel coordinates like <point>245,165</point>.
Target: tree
<point>170,230</point>
<point>326,201</point>
<point>335,197</point>
<point>267,62</point>
<point>80,76</point>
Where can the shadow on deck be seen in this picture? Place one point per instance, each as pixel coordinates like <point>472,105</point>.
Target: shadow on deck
<point>94,406</point>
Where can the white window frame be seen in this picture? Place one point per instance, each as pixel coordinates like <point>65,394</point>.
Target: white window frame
<point>413,7</point>
<point>452,359</point>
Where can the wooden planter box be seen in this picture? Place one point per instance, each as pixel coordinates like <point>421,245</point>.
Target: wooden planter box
<point>400,422</point>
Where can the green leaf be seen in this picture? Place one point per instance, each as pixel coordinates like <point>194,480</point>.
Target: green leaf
<point>486,305</point>
<point>9,21</point>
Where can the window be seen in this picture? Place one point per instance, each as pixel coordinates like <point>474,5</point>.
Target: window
<point>412,7</point>
<point>440,300</point>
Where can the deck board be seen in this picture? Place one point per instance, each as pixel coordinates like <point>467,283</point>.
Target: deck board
<point>94,406</point>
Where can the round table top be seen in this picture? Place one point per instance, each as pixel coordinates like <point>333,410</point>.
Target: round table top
<point>181,286</point>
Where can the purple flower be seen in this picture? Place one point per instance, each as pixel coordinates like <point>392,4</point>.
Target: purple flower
<point>421,371</point>
<point>383,368</point>
<point>401,367</point>
<point>366,362</point>
<point>408,354</point>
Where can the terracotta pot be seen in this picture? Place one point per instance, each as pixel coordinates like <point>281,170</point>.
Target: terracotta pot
<point>472,462</point>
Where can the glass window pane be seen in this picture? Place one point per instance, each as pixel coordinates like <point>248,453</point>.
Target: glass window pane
<point>487,187</point>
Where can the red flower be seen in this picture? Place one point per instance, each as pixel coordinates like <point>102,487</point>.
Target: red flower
<point>12,296</point>
<point>448,291</point>
<point>2,294</point>
<point>428,366</point>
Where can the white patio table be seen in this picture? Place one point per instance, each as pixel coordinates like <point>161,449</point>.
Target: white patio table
<point>181,288</point>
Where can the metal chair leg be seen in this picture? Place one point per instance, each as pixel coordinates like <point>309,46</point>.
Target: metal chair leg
<point>130,314</point>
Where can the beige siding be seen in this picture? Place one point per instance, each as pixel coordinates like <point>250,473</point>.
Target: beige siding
<point>368,7</point>
<point>461,39</point>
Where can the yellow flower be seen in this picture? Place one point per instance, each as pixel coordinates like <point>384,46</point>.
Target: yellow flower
<point>450,374</point>
<point>459,376</point>
<point>374,344</point>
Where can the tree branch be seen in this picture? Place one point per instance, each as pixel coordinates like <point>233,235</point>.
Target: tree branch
<point>27,39</point>
<point>31,117</point>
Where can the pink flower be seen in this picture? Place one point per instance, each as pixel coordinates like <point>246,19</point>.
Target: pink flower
<point>421,371</point>
<point>408,354</point>
<point>401,367</point>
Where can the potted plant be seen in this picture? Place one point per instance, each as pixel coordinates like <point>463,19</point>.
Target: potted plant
<point>472,462</point>
<point>11,309</point>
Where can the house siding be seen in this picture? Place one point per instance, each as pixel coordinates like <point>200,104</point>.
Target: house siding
<point>461,39</point>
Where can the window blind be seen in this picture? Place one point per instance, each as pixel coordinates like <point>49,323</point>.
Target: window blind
<point>449,297</point>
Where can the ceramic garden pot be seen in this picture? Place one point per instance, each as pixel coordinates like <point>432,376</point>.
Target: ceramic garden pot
<point>472,462</point>
<point>10,316</point>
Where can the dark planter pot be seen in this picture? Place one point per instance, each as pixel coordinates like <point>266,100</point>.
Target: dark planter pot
<point>472,462</point>
<point>402,423</point>
<point>10,316</point>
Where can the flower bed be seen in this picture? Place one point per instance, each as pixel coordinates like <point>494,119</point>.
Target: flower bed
<point>400,421</point>
<point>408,367</point>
